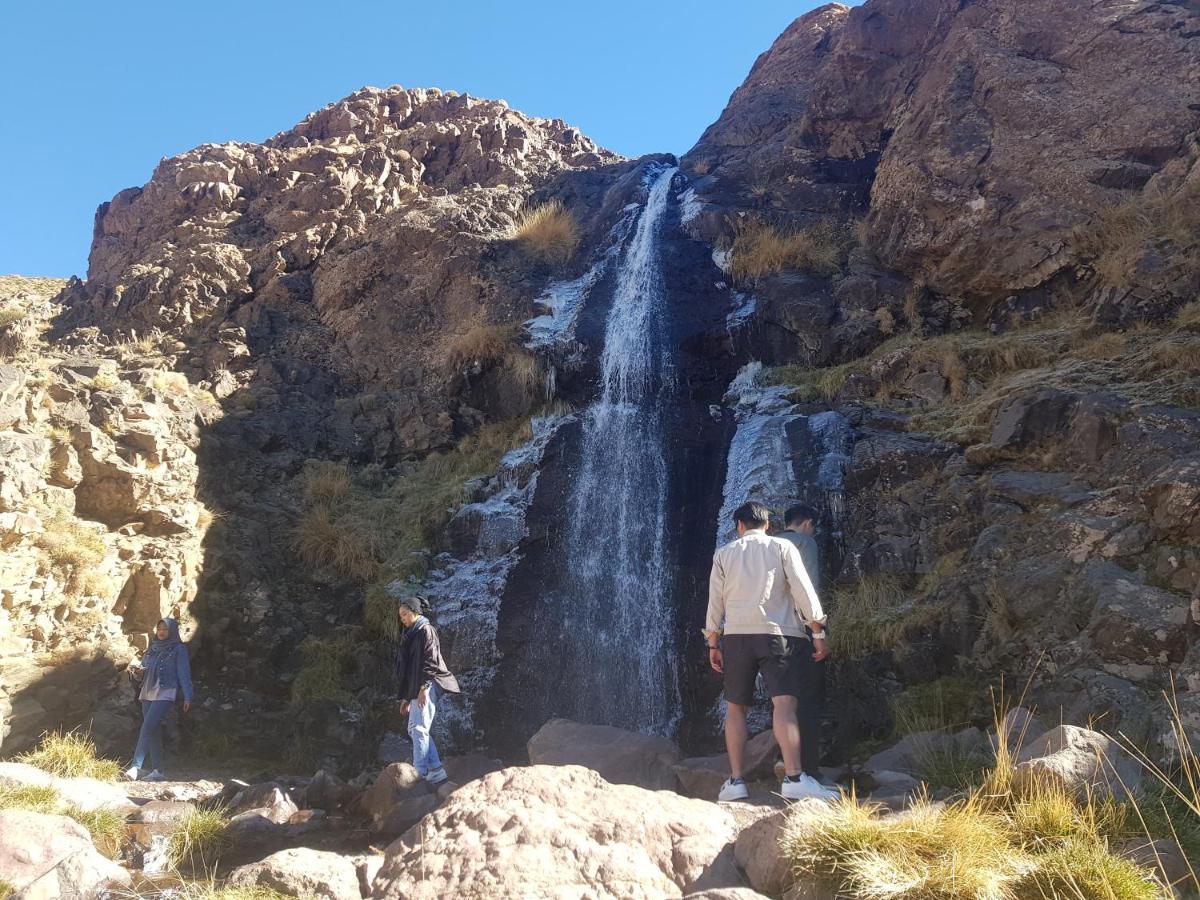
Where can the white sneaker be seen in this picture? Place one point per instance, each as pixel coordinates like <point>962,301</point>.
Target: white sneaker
<point>733,790</point>
<point>807,787</point>
<point>130,774</point>
<point>156,776</point>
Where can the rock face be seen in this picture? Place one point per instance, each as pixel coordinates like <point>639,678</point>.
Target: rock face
<point>541,830</point>
<point>966,132</point>
<point>619,756</point>
<point>99,521</point>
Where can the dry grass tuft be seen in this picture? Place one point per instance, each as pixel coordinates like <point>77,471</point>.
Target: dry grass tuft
<point>1188,317</point>
<point>377,525</point>
<point>1119,234</point>
<point>71,754</point>
<point>547,233</point>
<point>320,676</point>
<point>74,552</point>
<point>994,841</point>
<point>760,248</point>
<point>876,613</point>
<point>199,839</point>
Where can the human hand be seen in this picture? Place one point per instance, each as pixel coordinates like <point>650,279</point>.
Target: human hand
<point>821,649</point>
<point>716,659</point>
<point>187,706</point>
<point>404,707</point>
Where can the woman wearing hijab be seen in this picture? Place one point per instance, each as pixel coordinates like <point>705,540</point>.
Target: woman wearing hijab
<point>423,677</point>
<point>166,673</point>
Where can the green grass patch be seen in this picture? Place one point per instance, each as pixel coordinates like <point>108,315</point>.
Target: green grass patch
<point>71,754</point>
<point>199,839</point>
<point>939,705</point>
<point>877,613</point>
<point>378,526</point>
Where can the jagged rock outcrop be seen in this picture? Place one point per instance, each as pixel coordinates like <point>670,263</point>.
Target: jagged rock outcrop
<point>99,521</point>
<point>974,138</point>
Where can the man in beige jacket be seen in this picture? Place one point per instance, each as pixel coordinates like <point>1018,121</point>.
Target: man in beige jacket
<point>760,599</point>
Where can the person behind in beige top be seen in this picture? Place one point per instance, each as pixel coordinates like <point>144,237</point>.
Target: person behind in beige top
<point>760,599</point>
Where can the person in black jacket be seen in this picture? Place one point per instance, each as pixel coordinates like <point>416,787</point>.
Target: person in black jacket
<point>423,678</point>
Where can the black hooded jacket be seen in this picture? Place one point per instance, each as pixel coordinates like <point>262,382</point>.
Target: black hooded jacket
<point>419,661</point>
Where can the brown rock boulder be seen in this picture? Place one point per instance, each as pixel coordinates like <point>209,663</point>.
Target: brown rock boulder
<point>302,872</point>
<point>556,831</point>
<point>621,757</point>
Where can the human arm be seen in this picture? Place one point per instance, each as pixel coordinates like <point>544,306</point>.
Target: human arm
<point>715,619</point>
<point>183,667</point>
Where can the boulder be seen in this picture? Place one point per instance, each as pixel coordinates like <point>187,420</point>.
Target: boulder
<point>407,812</point>
<point>302,872</point>
<point>757,850</point>
<point>33,845</point>
<point>328,792</point>
<point>1080,759</point>
<point>86,793</point>
<point>1026,419</point>
<point>702,776</point>
<point>541,831</point>
<point>82,875</point>
<point>267,798</point>
<point>397,782</point>
<point>621,757</point>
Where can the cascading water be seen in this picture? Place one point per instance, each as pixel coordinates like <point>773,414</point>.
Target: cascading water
<point>617,608</point>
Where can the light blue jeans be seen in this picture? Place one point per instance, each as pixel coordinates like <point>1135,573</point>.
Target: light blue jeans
<point>150,737</point>
<point>420,720</point>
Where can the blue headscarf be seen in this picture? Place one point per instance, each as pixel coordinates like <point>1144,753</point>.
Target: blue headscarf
<point>162,653</point>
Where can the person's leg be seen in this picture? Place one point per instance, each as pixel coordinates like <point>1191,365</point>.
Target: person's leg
<point>418,731</point>
<point>787,731</point>
<point>741,670</point>
<point>811,708</point>
<point>143,741</point>
<point>149,739</point>
<point>736,735</point>
<point>780,676</point>
<point>159,708</point>
<point>431,758</point>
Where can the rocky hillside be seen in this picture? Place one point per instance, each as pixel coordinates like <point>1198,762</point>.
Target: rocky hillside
<point>957,286</point>
<point>966,236</point>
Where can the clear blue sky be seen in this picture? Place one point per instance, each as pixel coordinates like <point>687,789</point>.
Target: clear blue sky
<point>93,94</point>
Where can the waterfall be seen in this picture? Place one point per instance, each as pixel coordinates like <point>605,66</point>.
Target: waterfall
<point>617,608</point>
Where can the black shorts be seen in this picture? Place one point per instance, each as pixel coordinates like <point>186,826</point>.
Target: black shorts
<point>780,660</point>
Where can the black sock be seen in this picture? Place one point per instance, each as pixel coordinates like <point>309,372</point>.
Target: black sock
<point>793,777</point>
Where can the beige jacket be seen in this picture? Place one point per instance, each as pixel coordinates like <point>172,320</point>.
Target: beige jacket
<point>759,586</point>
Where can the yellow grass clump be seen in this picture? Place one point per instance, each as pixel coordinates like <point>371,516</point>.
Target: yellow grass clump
<point>760,248</point>
<point>547,233</point>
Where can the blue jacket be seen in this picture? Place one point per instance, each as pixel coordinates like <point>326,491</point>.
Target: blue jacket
<point>166,663</point>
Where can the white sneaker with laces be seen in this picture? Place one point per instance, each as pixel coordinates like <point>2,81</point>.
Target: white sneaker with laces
<point>156,776</point>
<point>733,790</point>
<point>130,774</point>
<point>806,787</point>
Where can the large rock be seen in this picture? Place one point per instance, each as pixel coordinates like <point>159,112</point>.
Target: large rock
<point>34,846</point>
<point>302,872</point>
<point>622,757</point>
<point>397,782</point>
<point>86,793</point>
<point>1080,760</point>
<point>81,875</point>
<point>557,831</point>
<point>757,850</point>
<point>702,776</point>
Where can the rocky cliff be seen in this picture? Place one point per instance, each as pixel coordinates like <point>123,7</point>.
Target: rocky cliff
<point>965,234</point>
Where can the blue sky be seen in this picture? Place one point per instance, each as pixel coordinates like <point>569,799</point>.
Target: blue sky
<point>94,94</point>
